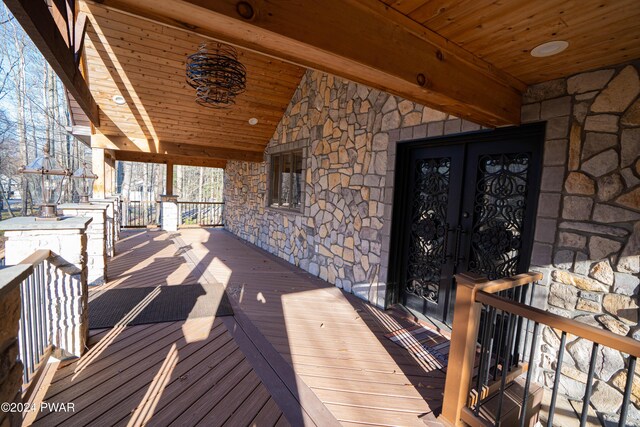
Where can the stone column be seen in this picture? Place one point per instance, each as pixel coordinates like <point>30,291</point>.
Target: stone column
<point>10,367</point>
<point>117,217</point>
<point>97,237</point>
<point>67,278</point>
<point>170,212</point>
<point>111,222</point>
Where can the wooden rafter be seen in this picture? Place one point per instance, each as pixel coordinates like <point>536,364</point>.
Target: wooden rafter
<point>167,148</point>
<point>57,37</point>
<point>362,40</point>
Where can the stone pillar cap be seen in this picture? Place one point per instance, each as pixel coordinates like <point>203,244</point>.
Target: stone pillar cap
<point>30,223</point>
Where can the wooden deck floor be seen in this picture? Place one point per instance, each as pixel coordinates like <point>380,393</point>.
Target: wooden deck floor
<point>162,374</point>
<point>175,373</point>
<point>146,258</point>
<point>333,340</point>
<point>297,351</point>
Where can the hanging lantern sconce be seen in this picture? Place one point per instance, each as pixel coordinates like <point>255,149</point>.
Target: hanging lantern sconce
<point>84,178</point>
<point>45,176</point>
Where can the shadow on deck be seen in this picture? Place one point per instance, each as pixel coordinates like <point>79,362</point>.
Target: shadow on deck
<point>296,351</point>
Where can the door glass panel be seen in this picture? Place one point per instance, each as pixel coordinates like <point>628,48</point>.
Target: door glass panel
<point>499,211</point>
<point>428,228</point>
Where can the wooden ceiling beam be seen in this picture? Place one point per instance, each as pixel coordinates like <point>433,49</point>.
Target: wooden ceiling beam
<point>130,156</point>
<point>139,145</point>
<point>57,48</point>
<point>362,40</point>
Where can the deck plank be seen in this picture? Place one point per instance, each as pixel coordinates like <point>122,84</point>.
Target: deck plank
<point>231,402</point>
<point>252,405</point>
<point>267,417</point>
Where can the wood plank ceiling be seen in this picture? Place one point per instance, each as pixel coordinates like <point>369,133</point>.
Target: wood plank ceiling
<point>145,63</point>
<point>599,32</point>
<point>138,50</point>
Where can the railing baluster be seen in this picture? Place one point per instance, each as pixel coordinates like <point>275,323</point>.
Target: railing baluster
<point>527,384</point>
<point>32,333</point>
<point>41,314</point>
<point>516,344</point>
<point>44,304</point>
<point>499,346</point>
<point>526,336</point>
<point>627,391</point>
<point>587,393</point>
<point>506,363</point>
<point>36,306</point>
<point>483,356</point>
<point>22,335</point>
<point>556,380</point>
<point>491,342</point>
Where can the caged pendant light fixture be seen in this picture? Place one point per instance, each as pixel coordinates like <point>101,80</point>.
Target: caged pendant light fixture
<point>216,75</point>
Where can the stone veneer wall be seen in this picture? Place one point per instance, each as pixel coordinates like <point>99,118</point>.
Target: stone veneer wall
<point>348,132</point>
<point>588,226</point>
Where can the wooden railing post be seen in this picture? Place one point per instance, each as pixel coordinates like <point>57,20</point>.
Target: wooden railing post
<point>466,321</point>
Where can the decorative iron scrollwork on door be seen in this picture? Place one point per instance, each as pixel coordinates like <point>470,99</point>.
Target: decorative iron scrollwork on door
<point>499,208</point>
<point>428,227</point>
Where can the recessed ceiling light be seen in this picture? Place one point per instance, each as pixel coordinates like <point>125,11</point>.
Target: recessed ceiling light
<point>549,48</point>
<point>253,121</point>
<point>119,99</point>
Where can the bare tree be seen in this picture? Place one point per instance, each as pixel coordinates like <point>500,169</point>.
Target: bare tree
<point>8,158</point>
<point>19,85</point>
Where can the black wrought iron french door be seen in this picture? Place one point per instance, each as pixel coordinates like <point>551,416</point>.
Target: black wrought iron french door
<point>463,203</point>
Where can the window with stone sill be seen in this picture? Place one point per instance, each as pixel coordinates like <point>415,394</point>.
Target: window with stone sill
<point>286,179</point>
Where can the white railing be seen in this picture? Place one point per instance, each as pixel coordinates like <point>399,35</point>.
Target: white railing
<point>50,300</point>
<point>34,337</point>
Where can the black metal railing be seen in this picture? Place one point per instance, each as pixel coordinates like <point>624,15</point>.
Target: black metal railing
<point>139,213</point>
<point>494,342</point>
<point>516,313</point>
<point>200,213</point>
<point>501,345</point>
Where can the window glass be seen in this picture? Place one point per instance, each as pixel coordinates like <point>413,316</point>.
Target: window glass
<point>275,180</point>
<point>296,180</point>
<point>286,180</point>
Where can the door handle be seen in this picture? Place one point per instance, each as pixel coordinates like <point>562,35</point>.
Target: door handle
<point>445,243</point>
<point>456,252</point>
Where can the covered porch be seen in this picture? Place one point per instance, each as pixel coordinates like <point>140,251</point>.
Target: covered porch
<point>468,170</point>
